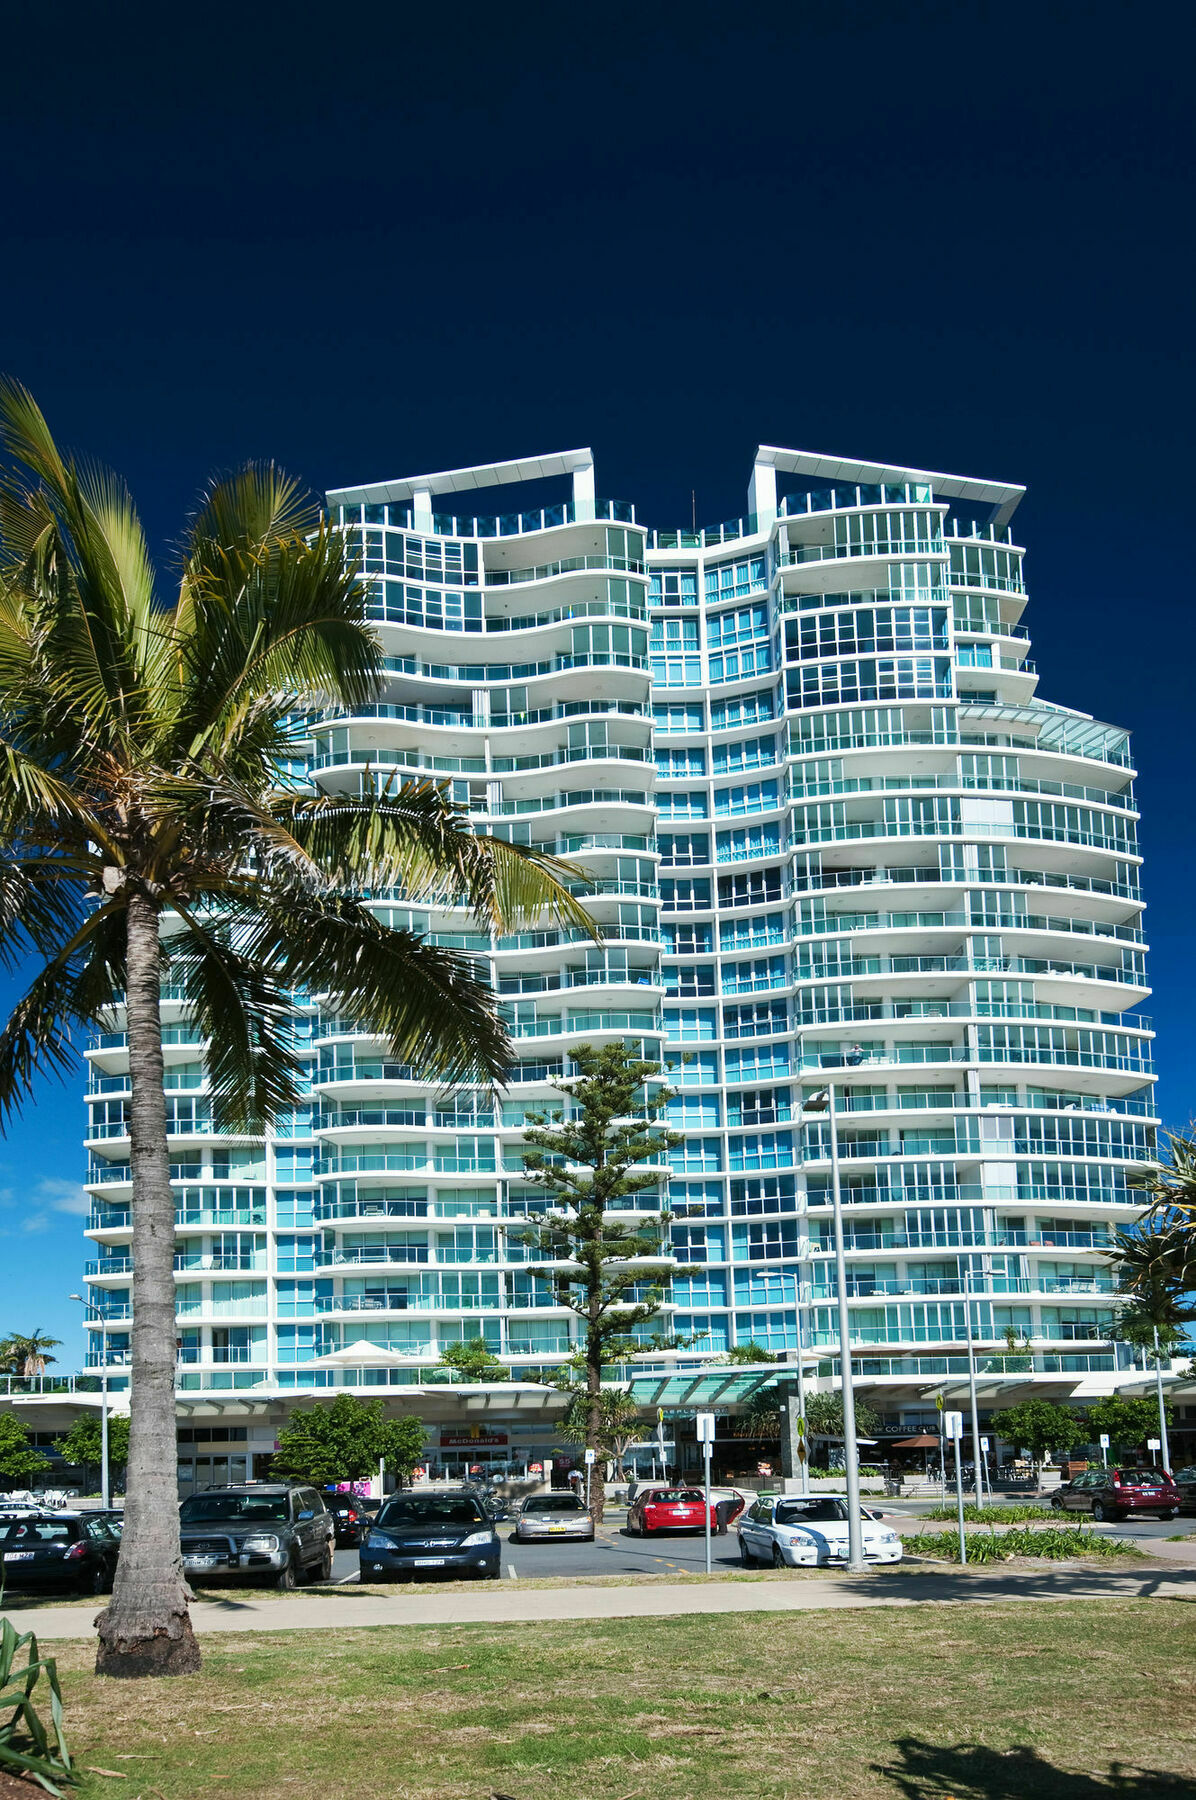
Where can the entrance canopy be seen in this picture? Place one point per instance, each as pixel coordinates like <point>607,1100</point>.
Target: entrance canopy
<point>702,1388</point>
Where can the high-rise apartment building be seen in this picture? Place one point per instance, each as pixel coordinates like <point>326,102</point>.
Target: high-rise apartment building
<point>832,834</point>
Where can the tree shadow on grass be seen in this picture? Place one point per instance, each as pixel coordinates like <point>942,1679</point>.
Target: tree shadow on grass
<point>977,1772</point>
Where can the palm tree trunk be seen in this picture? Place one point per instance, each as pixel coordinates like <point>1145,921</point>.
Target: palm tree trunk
<point>146,1630</point>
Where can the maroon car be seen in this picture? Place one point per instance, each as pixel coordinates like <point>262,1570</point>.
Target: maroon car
<point>1119,1493</point>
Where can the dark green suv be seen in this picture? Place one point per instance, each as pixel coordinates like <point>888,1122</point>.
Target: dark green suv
<point>268,1529</point>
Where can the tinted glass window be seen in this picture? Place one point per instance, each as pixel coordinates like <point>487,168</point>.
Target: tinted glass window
<point>553,1503</point>
<point>432,1509</point>
<point>263,1509</point>
<point>810,1512</point>
<point>674,1496</point>
<point>28,1532</point>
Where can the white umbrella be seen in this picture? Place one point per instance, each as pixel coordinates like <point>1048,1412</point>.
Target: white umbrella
<point>361,1355</point>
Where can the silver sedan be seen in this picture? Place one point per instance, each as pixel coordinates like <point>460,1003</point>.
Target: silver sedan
<point>553,1516</point>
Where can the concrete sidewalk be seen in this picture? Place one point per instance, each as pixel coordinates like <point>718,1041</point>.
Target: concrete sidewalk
<point>343,1609</point>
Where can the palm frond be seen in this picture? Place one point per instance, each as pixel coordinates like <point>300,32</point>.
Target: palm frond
<point>430,1004</point>
<point>252,1068</point>
<point>67,995</point>
<point>92,662</point>
<point>411,835</point>
<point>285,628</point>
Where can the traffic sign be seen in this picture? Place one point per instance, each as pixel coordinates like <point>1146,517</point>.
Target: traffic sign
<point>1104,1440</point>
<point>705,1424</point>
<point>1154,1443</point>
<point>591,1456</point>
<point>953,1424</point>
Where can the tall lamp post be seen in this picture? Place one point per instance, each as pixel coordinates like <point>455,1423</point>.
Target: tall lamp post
<point>977,1453</point>
<point>105,1494</point>
<point>1158,1382</point>
<point>825,1102</point>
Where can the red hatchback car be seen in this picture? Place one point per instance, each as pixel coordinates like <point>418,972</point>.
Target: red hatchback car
<point>670,1509</point>
<point>1118,1493</point>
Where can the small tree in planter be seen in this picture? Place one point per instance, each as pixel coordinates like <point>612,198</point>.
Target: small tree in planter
<point>609,1271</point>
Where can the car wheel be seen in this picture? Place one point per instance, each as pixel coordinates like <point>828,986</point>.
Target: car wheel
<point>323,1569</point>
<point>1172,1512</point>
<point>745,1555</point>
<point>1057,1502</point>
<point>1099,1511</point>
<point>778,1560</point>
<point>99,1582</point>
<point>287,1579</point>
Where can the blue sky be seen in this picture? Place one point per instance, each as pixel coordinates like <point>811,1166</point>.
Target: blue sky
<point>932,235</point>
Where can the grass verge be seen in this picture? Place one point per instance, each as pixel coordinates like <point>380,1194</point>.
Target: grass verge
<point>991,1701</point>
<point>1056,1543</point>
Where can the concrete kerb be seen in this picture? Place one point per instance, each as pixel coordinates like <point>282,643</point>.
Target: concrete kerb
<point>509,1605</point>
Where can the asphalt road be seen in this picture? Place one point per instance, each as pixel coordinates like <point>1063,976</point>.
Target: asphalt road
<point>662,1554</point>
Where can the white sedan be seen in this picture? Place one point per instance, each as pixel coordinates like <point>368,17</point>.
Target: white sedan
<point>798,1531</point>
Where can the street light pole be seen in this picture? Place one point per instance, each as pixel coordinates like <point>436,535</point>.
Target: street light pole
<point>1158,1381</point>
<point>976,1450</point>
<point>105,1482</point>
<point>851,1450</point>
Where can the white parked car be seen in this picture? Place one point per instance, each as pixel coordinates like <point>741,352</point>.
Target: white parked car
<point>797,1531</point>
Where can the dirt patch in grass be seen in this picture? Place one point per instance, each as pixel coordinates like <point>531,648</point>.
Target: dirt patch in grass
<point>984,1703</point>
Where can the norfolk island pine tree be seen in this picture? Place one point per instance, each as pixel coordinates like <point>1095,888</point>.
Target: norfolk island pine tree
<point>146,834</point>
<point>593,1262</point>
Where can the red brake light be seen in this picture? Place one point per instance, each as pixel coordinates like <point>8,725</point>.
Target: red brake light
<point>76,1551</point>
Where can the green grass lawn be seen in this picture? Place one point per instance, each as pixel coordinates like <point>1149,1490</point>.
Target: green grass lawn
<point>1066,1701</point>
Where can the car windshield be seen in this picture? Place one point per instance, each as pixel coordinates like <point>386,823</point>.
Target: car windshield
<point>338,1503</point>
<point>432,1509</point>
<point>811,1512</point>
<point>1141,1477</point>
<point>553,1503</point>
<point>257,1509</point>
<point>672,1496</point>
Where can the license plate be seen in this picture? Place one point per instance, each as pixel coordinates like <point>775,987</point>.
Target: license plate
<point>432,1562</point>
<point>18,1555</point>
<point>199,1562</point>
<point>558,1528</point>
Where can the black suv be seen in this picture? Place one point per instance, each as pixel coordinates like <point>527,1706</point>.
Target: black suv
<point>262,1528</point>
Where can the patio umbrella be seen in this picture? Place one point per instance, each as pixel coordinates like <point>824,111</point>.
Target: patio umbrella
<point>922,1442</point>
<point>361,1355</point>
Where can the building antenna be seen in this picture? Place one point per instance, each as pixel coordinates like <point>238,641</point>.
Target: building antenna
<point>693,508</point>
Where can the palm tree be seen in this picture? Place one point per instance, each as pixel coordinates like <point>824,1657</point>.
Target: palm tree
<point>148,833</point>
<point>27,1355</point>
<point>1171,1186</point>
<point>1155,1271</point>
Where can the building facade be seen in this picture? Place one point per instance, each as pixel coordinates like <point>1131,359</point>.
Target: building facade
<point>833,838</point>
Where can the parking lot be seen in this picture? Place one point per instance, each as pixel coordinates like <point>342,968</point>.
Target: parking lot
<point>615,1553</point>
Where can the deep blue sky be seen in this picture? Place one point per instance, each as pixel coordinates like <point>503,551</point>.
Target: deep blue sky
<point>396,238</point>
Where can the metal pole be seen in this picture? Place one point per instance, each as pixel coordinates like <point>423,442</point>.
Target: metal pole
<point>706,1449</point>
<point>105,1484</point>
<point>851,1453</point>
<point>1158,1381</point>
<point>976,1453</point>
<point>804,1457</point>
<point>963,1543</point>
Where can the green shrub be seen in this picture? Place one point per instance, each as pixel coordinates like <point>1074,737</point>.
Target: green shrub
<point>1056,1542</point>
<point>992,1515</point>
<point>26,1746</point>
